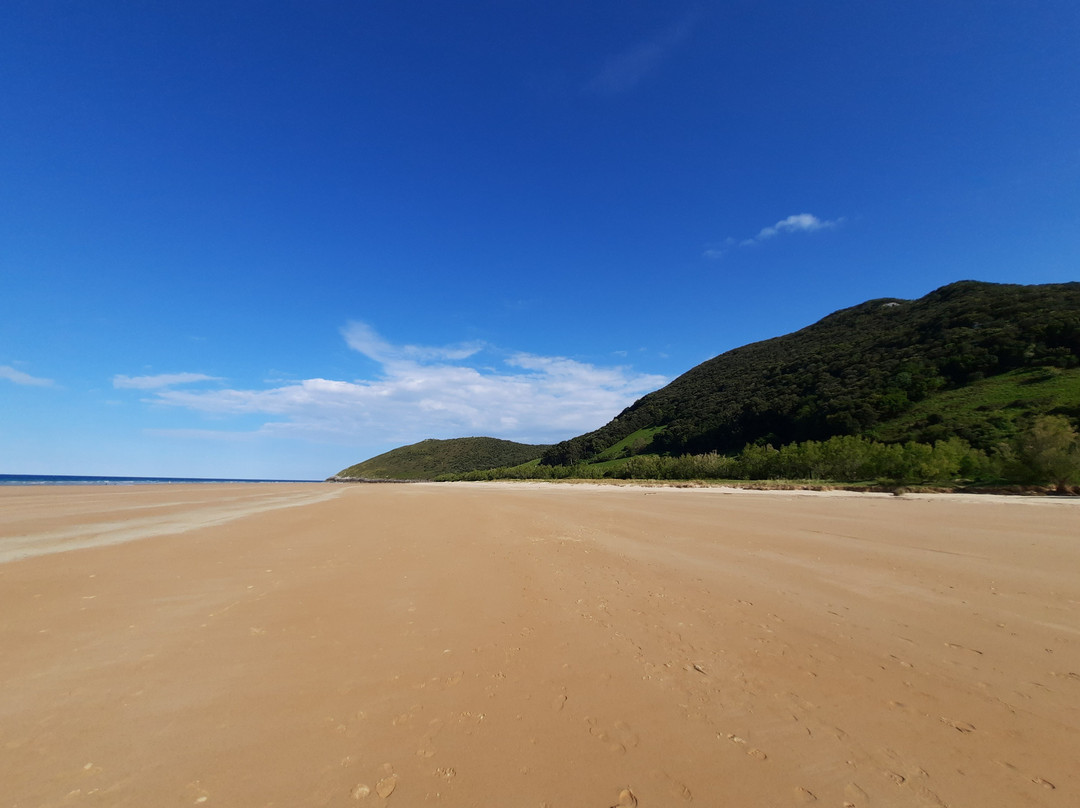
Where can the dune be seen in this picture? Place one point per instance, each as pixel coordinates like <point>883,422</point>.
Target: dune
<point>532,645</point>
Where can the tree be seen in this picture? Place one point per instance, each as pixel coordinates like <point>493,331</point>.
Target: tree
<point>1049,452</point>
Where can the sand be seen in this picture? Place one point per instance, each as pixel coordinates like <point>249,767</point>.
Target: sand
<point>527,645</point>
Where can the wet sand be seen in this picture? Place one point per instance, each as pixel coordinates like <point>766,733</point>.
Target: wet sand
<point>527,645</point>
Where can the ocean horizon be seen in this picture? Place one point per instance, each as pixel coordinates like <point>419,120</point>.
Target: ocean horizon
<point>90,479</point>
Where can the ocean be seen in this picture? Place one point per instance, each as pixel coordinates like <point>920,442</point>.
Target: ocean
<point>73,479</point>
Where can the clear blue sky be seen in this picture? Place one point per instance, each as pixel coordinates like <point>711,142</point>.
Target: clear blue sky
<point>272,239</point>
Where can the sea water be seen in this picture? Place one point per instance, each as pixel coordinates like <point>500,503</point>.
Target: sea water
<point>74,479</point>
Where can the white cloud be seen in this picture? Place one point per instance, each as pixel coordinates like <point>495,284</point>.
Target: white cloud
<point>161,380</point>
<point>800,222</point>
<point>621,73</point>
<point>796,223</point>
<point>428,392</point>
<point>18,377</point>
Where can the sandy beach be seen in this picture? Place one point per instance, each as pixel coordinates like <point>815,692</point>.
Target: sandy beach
<point>535,645</point>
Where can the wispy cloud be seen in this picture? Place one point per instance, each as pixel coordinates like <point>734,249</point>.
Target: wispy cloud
<point>624,71</point>
<point>796,223</point>
<point>19,377</point>
<point>362,338</point>
<point>161,380</point>
<point>432,392</point>
<point>202,434</point>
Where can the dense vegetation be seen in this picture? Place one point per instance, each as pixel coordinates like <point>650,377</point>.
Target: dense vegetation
<point>974,361</point>
<point>1045,453</point>
<point>429,458</point>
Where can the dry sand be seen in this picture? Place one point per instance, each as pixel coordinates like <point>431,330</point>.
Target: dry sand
<point>483,645</point>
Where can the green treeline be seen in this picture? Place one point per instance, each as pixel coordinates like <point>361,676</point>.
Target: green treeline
<point>1047,453</point>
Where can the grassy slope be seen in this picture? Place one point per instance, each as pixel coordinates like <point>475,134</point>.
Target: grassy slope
<point>988,411</point>
<point>632,444</point>
<point>429,458</point>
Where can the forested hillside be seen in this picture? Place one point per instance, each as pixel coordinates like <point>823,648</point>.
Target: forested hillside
<point>973,360</point>
<point>429,458</point>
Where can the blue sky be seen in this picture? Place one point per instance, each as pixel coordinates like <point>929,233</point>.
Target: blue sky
<point>273,239</point>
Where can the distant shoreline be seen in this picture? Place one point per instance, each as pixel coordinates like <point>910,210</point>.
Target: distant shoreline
<point>92,479</point>
<point>337,478</point>
<point>726,488</point>
<point>769,486</point>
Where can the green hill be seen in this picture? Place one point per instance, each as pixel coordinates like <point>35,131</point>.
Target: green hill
<point>429,458</point>
<point>973,360</point>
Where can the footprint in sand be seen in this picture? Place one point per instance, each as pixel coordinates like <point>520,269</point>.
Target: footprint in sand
<point>627,799</point>
<point>201,794</point>
<point>757,754</point>
<point>558,702</point>
<point>804,795</point>
<point>625,735</point>
<point>618,739</point>
<point>676,788</point>
<point>1039,781</point>
<point>360,791</point>
<point>385,787</point>
<point>855,795</point>
<point>899,779</point>
<point>1067,675</point>
<point>959,647</point>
